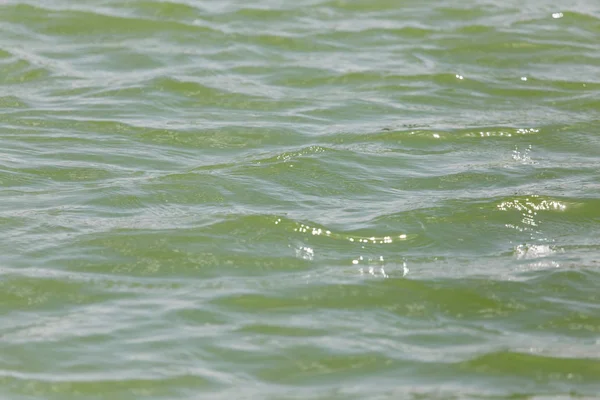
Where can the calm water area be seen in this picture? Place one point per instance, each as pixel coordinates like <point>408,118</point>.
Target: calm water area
<point>309,199</point>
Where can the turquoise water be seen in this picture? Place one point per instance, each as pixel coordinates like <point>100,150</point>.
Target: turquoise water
<point>314,199</point>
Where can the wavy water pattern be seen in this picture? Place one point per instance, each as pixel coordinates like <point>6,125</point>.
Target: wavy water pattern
<point>318,199</point>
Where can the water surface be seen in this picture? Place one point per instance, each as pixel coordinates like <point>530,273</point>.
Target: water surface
<point>317,199</point>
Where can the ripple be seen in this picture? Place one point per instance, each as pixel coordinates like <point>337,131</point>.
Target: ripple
<point>341,199</point>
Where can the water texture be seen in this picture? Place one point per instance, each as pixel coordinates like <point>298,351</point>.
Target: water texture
<point>310,199</point>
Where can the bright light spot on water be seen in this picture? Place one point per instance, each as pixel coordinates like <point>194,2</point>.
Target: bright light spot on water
<point>544,205</point>
<point>523,156</point>
<point>435,135</point>
<point>529,209</point>
<point>527,251</point>
<point>403,236</point>
<point>557,15</point>
<point>375,267</point>
<point>460,77</point>
<point>305,253</point>
<point>523,78</point>
<point>527,130</point>
<point>373,271</point>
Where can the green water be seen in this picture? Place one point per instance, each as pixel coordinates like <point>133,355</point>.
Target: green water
<point>310,199</point>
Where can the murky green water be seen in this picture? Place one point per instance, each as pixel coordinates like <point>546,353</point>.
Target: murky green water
<point>310,199</point>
